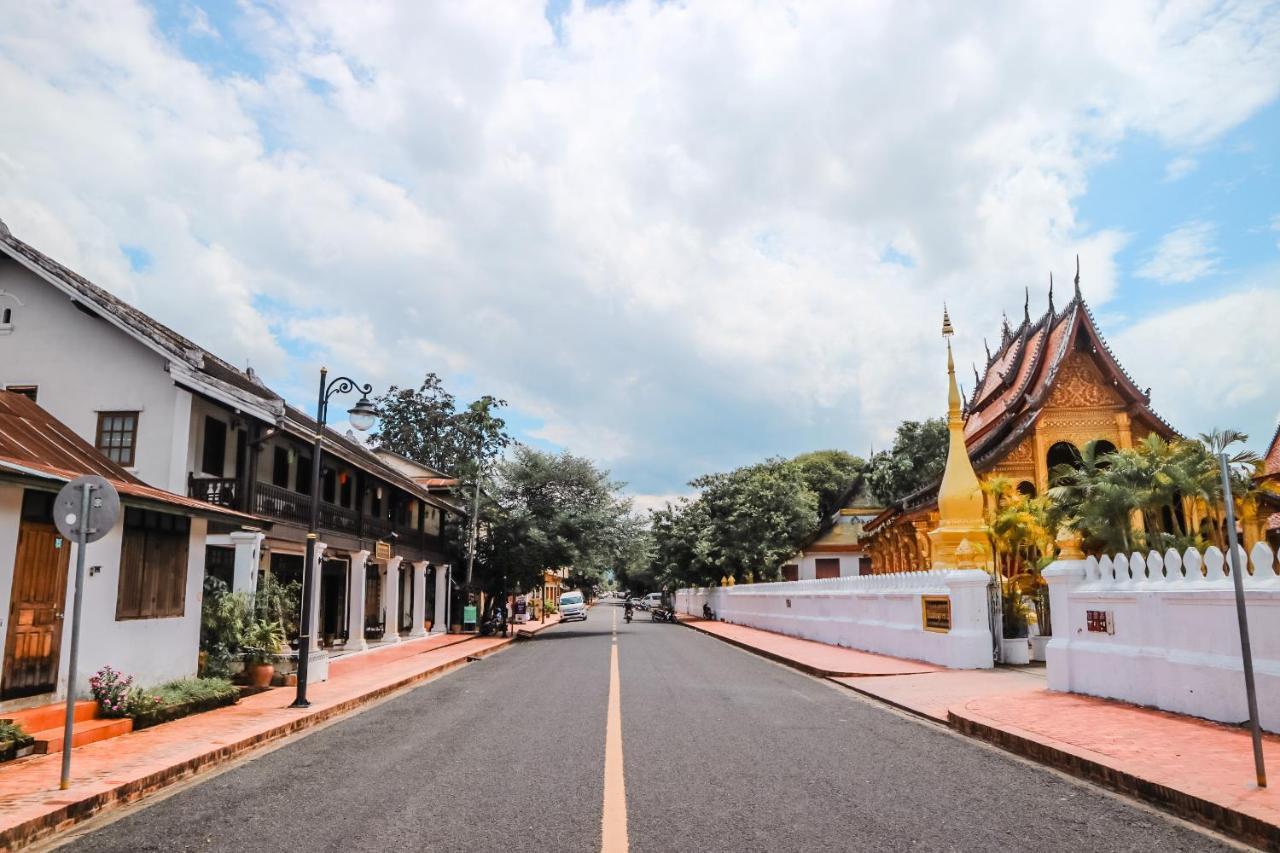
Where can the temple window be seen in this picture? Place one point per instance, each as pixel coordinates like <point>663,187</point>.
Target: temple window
<point>1063,453</point>
<point>1027,489</point>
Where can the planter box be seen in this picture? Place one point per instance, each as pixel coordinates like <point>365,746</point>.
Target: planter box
<point>1016,651</point>
<point>174,712</point>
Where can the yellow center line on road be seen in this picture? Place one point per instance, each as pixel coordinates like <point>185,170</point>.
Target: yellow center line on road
<point>613,822</point>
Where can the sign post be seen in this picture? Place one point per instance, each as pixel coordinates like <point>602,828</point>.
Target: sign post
<point>1242,615</point>
<point>85,510</point>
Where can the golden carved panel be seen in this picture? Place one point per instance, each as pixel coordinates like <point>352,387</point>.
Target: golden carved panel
<point>1079,385</point>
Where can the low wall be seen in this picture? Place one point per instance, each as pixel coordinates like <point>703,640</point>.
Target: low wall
<point>1161,631</point>
<point>874,613</point>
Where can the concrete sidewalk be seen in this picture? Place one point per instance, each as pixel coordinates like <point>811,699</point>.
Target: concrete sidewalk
<point>1199,770</point>
<point>125,768</point>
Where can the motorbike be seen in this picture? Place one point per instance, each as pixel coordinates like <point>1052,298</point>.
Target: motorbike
<point>661,614</point>
<point>495,624</point>
<point>627,615</point>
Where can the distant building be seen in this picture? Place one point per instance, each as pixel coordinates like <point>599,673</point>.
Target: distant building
<point>836,549</point>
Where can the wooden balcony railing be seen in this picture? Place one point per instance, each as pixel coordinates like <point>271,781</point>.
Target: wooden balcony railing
<point>220,491</point>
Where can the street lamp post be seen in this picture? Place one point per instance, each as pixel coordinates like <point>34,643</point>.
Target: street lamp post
<point>362,416</point>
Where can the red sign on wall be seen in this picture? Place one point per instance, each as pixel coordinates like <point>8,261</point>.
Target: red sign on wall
<point>1099,621</point>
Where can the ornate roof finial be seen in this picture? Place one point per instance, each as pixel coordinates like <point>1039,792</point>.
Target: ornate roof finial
<point>1026,305</point>
<point>977,380</point>
<point>1078,296</point>
<point>1050,294</point>
<point>987,347</point>
<point>1005,331</point>
<point>947,330</point>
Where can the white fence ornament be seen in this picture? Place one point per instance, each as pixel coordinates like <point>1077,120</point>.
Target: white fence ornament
<point>1172,566</point>
<point>1213,564</point>
<point>1137,567</point>
<point>1155,567</point>
<point>1194,565</point>
<point>1263,562</point>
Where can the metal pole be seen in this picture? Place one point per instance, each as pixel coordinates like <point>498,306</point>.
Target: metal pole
<point>308,569</point>
<point>475,524</point>
<point>69,723</point>
<point>1246,654</point>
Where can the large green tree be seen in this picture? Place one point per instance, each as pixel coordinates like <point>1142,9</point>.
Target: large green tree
<point>426,425</point>
<point>742,524</point>
<point>918,455</point>
<point>556,510</point>
<point>828,474</point>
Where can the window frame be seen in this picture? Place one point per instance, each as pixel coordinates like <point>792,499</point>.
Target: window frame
<point>31,392</point>
<point>218,452</point>
<point>107,449</point>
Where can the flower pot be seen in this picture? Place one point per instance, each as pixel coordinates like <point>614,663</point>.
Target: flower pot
<point>1038,646</point>
<point>1016,651</point>
<point>260,674</point>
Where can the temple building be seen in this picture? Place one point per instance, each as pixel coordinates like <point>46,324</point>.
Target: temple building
<point>1052,386</point>
<point>836,549</point>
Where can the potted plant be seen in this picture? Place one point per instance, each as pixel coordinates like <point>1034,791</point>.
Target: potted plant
<point>263,642</point>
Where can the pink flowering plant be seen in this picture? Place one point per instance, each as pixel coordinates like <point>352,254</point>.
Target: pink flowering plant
<point>111,689</point>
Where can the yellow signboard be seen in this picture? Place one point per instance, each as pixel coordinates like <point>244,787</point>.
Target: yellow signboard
<point>935,611</point>
<point>382,551</point>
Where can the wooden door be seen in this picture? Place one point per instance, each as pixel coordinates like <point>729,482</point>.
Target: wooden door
<point>35,611</point>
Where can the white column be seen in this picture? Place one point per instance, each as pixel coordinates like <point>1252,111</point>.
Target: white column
<point>419,599</point>
<point>355,602</point>
<point>1062,576</point>
<point>314,628</point>
<point>248,545</point>
<point>391,601</point>
<point>439,620</point>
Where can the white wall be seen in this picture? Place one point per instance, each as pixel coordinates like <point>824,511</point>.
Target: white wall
<point>10,514</point>
<point>152,650</point>
<point>849,565</point>
<point>875,613</point>
<point>84,365</point>
<point>1176,641</point>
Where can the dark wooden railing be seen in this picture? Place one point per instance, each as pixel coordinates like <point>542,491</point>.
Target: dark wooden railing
<point>287,505</point>
<point>276,502</point>
<point>220,491</point>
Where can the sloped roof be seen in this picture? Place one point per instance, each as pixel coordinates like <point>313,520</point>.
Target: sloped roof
<point>35,444</point>
<point>208,373</point>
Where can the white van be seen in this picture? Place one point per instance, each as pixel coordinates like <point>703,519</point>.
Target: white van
<point>572,607</point>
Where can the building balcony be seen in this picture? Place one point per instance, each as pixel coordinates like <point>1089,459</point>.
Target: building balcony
<point>219,491</point>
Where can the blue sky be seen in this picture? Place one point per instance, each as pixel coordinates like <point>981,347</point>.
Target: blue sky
<point>676,237</point>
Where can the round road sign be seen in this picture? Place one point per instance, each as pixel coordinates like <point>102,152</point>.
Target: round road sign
<point>104,509</point>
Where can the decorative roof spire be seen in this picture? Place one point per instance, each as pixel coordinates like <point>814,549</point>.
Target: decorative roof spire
<point>1078,296</point>
<point>1006,331</point>
<point>1026,306</point>
<point>960,504</point>
<point>1051,294</point>
<point>987,347</point>
<point>976,379</point>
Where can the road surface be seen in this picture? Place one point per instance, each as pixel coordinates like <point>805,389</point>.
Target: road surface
<point>720,750</point>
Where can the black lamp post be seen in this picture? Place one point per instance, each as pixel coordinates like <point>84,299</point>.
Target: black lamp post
<point>362,416</point>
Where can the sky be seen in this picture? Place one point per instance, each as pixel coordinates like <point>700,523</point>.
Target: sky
<point>678,237</point>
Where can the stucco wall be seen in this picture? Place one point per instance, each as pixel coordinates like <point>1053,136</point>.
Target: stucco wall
<point>1171,639</point>
<point>875,613</point>
<point>152,650</point>
<point>84,365</point>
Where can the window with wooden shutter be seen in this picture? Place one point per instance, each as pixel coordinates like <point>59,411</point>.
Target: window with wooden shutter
<point>117,436</point>
<point>153,565</point>
<point>827,567</point>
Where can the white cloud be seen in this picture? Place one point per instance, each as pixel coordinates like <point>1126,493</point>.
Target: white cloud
<point>1185,254</point>
<point>1179,167</point>
<point>1210,361</point>
<point>666,234</point>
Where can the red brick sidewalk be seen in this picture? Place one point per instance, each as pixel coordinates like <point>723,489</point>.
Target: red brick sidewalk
<point>124,768</point>
<point>812,657</point>
<point>1200,770</point>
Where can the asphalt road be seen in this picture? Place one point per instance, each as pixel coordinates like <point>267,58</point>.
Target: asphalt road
<point>723,751</point>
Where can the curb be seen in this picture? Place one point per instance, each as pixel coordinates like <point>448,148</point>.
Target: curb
<point>1228,821</point>
<point>72,813</point>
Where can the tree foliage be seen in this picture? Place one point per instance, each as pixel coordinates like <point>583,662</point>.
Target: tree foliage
<point>1139,498</point>
<point>742,524</point>
<point>554,511</point>
<point>917,458</point>
<point>828,474</point>
<point>426,425</point>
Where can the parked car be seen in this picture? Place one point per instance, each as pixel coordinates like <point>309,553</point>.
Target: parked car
<point>652,600</point>
<point>572,607</point>
<point>638,603</point>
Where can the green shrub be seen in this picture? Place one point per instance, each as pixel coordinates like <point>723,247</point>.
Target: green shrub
<point>225,618</point>
<point>178,699</point>
<point>12,732</point>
